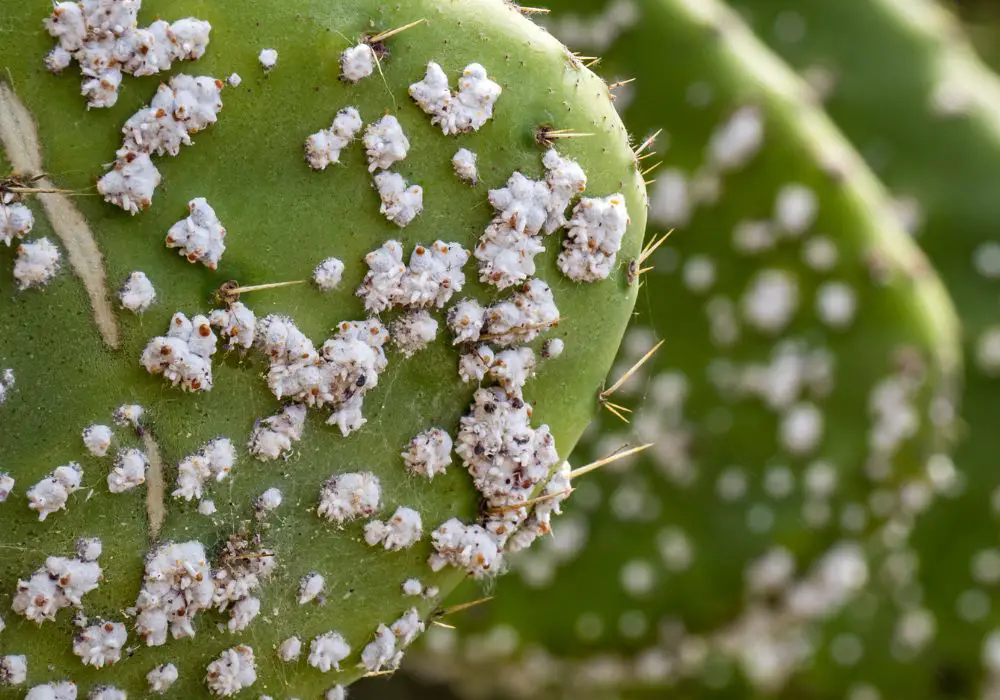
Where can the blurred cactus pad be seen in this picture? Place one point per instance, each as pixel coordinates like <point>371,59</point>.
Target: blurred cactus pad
<point>301,303</point>
<point>801,407</point>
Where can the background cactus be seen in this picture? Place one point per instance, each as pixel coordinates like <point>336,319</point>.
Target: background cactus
<point>74,353</point>
<point>943,186</point>
<point>742,554</point>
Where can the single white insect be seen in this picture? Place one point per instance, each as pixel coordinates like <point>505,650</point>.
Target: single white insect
<point>553,348</point>
<point>62,690</point>
<point>89,548</point>
<point>268,58</point>
<point>243,613</point>
<point>328,274</point>
<point>414,331</point>
<point>129,471</point>
<point>207,508</point>
<point>345,497</point>
<point>381,652</point>
<point>6,486</point>
<point>408,627</point>
<point>101,644</point>
<point>16,221</point>
<point>310,587</point>
<point>327,651</point>
<point>234,80</point>
<point>161,678</point>
<point>37,264</point>
<point>402,531</point>
<point>357,62</point>
<point>412,587</point>
<point>401,202</point>
<point>290,649</point>
<point>429,453</point>
<point>274,436</point>
<point>106,692</point>
<point>97,439</point>
<point>464,163</point>
<point>128,414</point>
<point>51,493</point>
<point>233,671</point>
<point>465,320</point>
<point>7,382</point>
<point>269,500</point>
<point>137,294</point>
<point>13,669</point>
<point>385,143</point>
<point>199,237</point>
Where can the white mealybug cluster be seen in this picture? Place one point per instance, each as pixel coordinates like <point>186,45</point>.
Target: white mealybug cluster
<point>107,692</point>
<point>137,294</point>
<point>328,274</point>
<point>463,111</point>
<point>357,62</point>
<point>101,644</point>
<point>539,522</point>
<point>512,368</point>
<point>61,690</point>
<point>408,627</point>
<point>385,143</point>
<point>414,331</point>
<point>324,147</point>
<point>233,671</point>
<point>268,59</point>
<point>310,587</point>
<point>274,436</point>
<point>6,486</point>
<point>13,669</point>
<point>520,318</point>
<point>506,457</point>
<point>37,264</point>
<point>213,462</point>
<point>176,586</point>
<point>594,238</point>
<point>237,325</point>
<point>104,38</point>
<point>7,382</point>
<point>199,237</point>
<point>475,365</point>
<point>338,376</point>
<point>401,201</point>
<point>432,277</point>
<point>464,163</point>
<point>525,209</point>
<point>469,547</point>
<point>183,107</point>
<point>429,453</point>
<point>290,649</point>
<point>97,439</point>
<point>381,652</point>
<point>184,355</point>
<point>345,497</point>
<point>129,470</point>
<point>51,493</point>
<point>161,678</point>
<point>327,651</point>
<point>61,583</point>
<point>131,183</point>
<point>402,531</point>
<point>16,221</point>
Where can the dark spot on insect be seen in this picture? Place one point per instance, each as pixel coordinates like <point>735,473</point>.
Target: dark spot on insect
<point>479,449</point>
<point>517,403</point>
<point>361,381</point>
<point>489,407</point>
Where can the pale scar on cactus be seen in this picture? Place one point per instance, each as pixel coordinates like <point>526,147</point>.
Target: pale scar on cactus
<point>800,406</point>
<point>931,132</point>
<point>199,496</point>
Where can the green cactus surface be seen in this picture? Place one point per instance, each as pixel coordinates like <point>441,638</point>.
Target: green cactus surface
<point>924,112</point>
<point>801,406</point>
<point>70,354</point>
